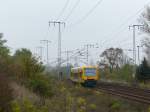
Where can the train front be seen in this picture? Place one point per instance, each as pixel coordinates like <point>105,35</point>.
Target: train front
<point>90,75</point>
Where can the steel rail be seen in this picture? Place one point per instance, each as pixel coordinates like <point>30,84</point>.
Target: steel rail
<point>128,92</point>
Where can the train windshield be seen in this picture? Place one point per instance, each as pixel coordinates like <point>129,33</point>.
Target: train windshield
<point>90,71</point>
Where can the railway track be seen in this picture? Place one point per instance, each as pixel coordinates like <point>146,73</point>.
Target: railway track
<point>124,91</point>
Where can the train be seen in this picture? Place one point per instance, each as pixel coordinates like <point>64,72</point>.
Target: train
<point>85,75</point>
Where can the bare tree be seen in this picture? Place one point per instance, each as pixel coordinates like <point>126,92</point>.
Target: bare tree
<point>145,20</point>
<point>113,56</point>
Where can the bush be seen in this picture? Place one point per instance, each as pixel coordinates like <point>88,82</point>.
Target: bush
<point>40,85</point>
<point>115,106</point>
<point>28,65</point>
<point>27,106</point>
<point>92,107</point>
<point>15,107</point>
<point>143,71</point>
<point>81,102</point>
<point>122,74</point>
<point>6,94</point>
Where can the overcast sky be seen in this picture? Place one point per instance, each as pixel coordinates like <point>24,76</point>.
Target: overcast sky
<point>25,22</point>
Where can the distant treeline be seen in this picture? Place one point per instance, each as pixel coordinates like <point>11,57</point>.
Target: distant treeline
<point>143,71</point>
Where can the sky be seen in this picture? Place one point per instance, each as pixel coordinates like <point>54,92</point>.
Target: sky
<point>25,22</point>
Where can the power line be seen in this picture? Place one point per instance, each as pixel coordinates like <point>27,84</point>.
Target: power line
<point>63,10</point>
<point>89,12</point>
<point>113,38</point>
<point>70,57</point>
<point>123,42</point>
<point>72,10</point>
<point>116,36</point>
<point>122,26</point>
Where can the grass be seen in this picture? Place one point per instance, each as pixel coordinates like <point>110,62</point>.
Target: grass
<point>73,98</point>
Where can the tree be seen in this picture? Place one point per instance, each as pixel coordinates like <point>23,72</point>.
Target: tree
<point>28,65</point>
<point>112,56</point>
<point>145,20</point>
<point>6,94</point>
<point>31,73</point>
<point>4,54</point>
<point>41,85</point>
<point>4,51</point>
<point>143,71</point>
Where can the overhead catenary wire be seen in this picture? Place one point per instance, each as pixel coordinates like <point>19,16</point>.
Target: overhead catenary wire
<point>88,13</point>
<point>75,54</point>
<point>72,10</point>
<point>122,27</point>
<point>115,36</point>
<point>63,10</point>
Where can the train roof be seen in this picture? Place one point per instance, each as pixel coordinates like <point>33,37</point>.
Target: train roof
<point>84,67</point>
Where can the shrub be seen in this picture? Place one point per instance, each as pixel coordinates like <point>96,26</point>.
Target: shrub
<point>27,106</point>
<point>92,107</point>
<point>40,85</point>
<point>6,94</point>
<point>81,104</point>
<point>115,106</point>
<point>15,107</point>
<point>28,65</point>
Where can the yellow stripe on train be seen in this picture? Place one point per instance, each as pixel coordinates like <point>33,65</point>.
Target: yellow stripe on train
<point>87,75</point>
